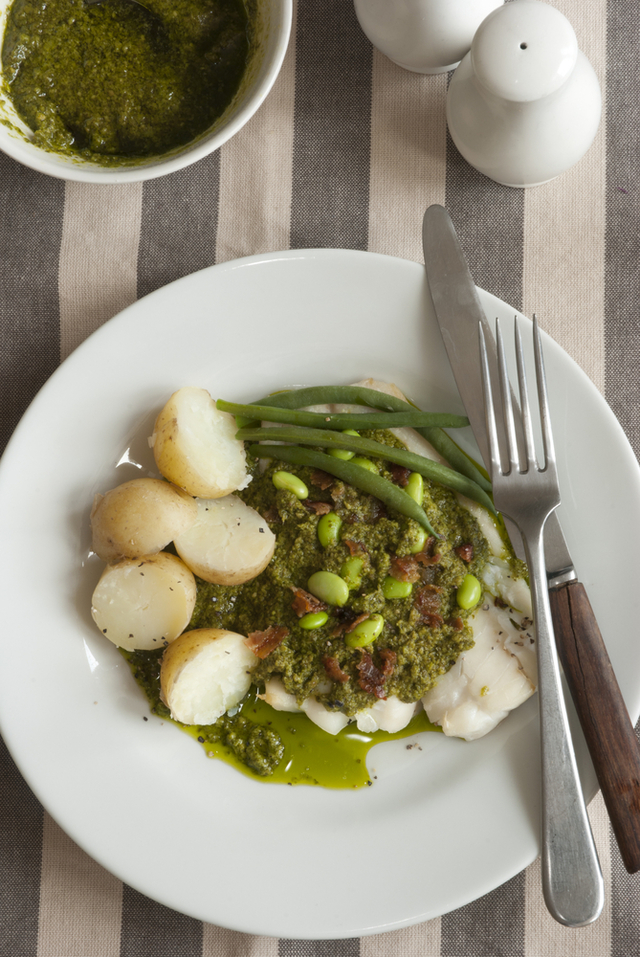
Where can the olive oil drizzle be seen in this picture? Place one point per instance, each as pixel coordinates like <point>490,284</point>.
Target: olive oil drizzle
<point>310,756</point>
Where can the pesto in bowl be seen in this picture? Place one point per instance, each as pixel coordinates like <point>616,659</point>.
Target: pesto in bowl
<point>198,70</point>
<point>115,80</point>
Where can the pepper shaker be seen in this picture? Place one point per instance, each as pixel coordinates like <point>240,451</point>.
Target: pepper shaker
<point>524,105</point>
<point>424,36</point>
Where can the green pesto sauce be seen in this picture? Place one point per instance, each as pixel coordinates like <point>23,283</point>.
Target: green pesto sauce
<point>423,652</point>
<point>289,748</point>
<point>276,746</point>
<point>110,82</point>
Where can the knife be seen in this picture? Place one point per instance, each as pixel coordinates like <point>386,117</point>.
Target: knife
<point>605,721</point>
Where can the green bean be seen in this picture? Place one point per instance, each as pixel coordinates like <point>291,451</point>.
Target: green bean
<point>417,463</point>
<point>329,529</point>
<point>408,417</point>
<point>285,480</point>
<point>456,458</point>
<point>366,632</point>
<point>360,478</point>
<point>329,587</point>
<point>359,395</point>
<point>469,592</point>
<point>330,394</point>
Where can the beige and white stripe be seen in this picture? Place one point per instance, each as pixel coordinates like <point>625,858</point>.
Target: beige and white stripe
<point>255,175</point>
<point>564,227</point>
<point>543,936</point>
<point>408,156</point>
<point>98,257</point>
<point>80,902</point>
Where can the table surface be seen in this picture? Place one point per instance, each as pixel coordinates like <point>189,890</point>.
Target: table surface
<point>347,151</point>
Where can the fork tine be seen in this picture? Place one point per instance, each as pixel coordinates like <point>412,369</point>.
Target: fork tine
<point>525,408</point>
<point>507,404</point>
<point>492,432</point>
<point>543,402</point>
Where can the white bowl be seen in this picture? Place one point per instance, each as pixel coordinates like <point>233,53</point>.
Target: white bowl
<point>272,30</point>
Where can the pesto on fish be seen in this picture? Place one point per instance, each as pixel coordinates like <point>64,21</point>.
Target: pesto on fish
<point>422,645</point>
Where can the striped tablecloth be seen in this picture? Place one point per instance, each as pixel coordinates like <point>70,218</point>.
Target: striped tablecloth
<point>347,151</point>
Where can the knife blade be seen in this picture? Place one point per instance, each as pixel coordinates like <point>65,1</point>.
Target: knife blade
<point>604,718</point>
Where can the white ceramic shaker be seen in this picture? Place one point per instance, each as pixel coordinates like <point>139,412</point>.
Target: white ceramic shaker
<point>524,105</point>
<point>425,36</point>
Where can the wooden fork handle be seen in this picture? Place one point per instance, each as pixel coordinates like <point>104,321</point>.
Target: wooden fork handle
<point>611,739</point>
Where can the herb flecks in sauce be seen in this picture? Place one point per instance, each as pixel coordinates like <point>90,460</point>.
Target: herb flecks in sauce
<point>109,81</point>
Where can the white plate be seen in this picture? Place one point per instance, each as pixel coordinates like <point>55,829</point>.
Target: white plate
<point>442,825</point>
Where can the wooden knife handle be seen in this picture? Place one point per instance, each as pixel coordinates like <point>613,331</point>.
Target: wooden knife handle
<point>612,743</point>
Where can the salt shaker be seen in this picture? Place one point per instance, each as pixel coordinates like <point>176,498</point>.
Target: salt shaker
<point>425,36</point>
<point>524,105</point>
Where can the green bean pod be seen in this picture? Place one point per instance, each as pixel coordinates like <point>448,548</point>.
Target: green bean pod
<point>408,417</point>
<point>417,463</point>
<point>359,395</point>
<point>360,478</point>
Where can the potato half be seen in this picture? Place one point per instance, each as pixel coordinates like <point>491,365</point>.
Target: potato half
<point>194,446</point>
<point>204,673</point>
<point>228,544</point>
<point>139,518</point>
<point>144,603</point>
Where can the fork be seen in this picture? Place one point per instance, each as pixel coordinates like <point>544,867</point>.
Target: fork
<point>527,493</point>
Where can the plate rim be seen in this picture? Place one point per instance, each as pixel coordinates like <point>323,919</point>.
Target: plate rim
<point>122,317</point>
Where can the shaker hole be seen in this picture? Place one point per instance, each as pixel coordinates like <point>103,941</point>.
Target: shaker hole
<point>523,46</point>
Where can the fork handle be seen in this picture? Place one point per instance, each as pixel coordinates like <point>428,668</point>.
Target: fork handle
<point>605,721</point>
<point>571,877</point>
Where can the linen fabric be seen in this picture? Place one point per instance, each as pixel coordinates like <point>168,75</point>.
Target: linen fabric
<point>347,151</point>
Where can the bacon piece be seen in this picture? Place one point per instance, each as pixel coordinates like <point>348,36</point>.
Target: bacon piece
<point>405,568</point>
<point>337,492</point>
<point>321,479</point>
<point>262,643</point>
<point>334,670</point>
<point>344,617</point>
<point>371,678</point>
<point>427,602</point>
<point>271,515</point>
<point>378,510</point>
<point>400,474</point>
<point>356,621</point>
<point>355,548</point>
<point>320,508</point>
<point>304,602</point>
<point>456,623</point>
<point>389,660</point>
<point>465,552</point>
<point>426,556</point>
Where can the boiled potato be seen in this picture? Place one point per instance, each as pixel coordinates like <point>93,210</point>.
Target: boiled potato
<point>194,446</point>
<point>228,544</point>
<point>144,603</point>
<point>139,518</point>
<point>204,673</point>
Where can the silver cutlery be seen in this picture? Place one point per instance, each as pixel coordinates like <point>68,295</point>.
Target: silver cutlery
<point>596,695</point>
<point>528,493</point>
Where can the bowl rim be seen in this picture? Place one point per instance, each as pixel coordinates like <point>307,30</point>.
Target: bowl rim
<point>61,167</point>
